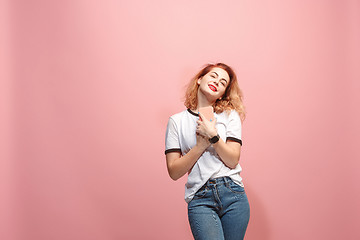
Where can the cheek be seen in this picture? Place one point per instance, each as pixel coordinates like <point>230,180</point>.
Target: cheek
<point>222,92</point>
<point>203,84</point>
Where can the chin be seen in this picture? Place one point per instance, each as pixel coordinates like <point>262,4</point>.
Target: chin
<point>210,95</point>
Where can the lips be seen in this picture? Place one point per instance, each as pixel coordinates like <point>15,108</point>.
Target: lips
<point>213,88</point>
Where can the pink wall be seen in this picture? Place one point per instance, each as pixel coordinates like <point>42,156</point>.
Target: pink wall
<point>93,84</point>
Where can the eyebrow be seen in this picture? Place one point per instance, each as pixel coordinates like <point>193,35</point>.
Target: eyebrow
<point>218,76</point>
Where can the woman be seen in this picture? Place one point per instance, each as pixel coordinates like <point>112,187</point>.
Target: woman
<point>209,151</point>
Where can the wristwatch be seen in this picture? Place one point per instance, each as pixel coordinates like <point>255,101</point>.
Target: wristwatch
<point>214,139</point>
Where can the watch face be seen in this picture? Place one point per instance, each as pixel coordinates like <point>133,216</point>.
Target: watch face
<point>214,139</point>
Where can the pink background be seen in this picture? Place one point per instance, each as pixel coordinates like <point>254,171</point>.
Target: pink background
<point>87,88</point>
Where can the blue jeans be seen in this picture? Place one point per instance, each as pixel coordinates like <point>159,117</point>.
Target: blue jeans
<point>219,210</point>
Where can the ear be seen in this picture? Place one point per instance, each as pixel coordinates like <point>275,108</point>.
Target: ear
<point>199,80</point>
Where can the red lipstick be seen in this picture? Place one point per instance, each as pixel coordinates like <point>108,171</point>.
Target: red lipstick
<point>213,88</point>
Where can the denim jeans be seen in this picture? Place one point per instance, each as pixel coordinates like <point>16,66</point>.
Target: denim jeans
<point>219,210</point>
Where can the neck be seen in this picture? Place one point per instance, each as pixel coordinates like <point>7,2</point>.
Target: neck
<point>202,101</point>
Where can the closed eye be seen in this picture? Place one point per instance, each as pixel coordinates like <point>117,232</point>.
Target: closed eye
<point>223,82</point>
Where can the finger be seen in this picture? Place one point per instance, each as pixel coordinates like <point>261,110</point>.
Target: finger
<point>201,116</point>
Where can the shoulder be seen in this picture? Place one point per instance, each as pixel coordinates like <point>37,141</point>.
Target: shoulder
<point>177,117</point>
<point>234,114</point>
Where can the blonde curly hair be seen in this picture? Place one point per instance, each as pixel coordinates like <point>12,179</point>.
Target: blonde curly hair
<point>232,98</point>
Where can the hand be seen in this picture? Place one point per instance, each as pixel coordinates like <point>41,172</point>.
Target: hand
<point>206,128</point>
<point>202,142</point>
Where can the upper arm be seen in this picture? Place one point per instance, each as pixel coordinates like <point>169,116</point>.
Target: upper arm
<point>171,157</point>
<point>235,146</point>
<point>172,141</point>
<point>172,144</point>
<point>233,133</point>
<point>234,129</point>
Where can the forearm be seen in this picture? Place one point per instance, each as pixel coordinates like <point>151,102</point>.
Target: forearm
<point>180,166</point>
<point>228,154</point>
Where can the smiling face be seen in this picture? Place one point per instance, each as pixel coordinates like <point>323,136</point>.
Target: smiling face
<point>214,83</point>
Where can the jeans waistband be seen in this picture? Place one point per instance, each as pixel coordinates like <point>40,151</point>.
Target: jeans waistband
<point>214,181</point>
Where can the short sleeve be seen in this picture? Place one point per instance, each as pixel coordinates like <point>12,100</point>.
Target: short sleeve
<point>233,129</point>
<point>172,137</point>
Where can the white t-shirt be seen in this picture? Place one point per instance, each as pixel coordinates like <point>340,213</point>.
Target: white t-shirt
<point>181,137</point>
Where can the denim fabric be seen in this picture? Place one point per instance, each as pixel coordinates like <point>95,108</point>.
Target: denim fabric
<point>219,210</point>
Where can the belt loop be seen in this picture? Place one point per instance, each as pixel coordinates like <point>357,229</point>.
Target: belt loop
<point>226,181</point>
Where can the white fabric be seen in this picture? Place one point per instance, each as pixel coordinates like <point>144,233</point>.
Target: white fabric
<point>181,136</point>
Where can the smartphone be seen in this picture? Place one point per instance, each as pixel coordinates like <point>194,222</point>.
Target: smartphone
<point>208,112</point>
